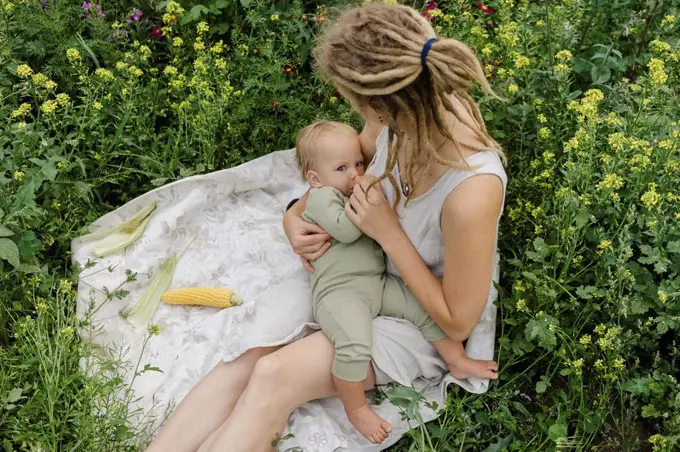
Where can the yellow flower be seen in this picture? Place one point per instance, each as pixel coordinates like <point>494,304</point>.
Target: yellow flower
<point>145,51</point>
<point>542,119</point>
<point>666,145</point>
<point>564,55</point>
<point>217,48</point>
<point>521,305</point>
<point>121,66</point>
<point>605,245</point>
<point>611,181</point>
<point>116,25</point>
<point>200,66</point>
<point>170,71</point>
<point>521,62</point>
<point>512,88</point>
<point>613,120</point>
<point>65,285</point>
<point>651,198</point>
<point>508,34</point>
<point>48,107</point>
<point>617,141</point>
<point>544,133</point>
<point>660,46</point>
<point>274,17</point>
<point>137,72</point>
<point>56,205</point>
<point>104,74</point>
<point>585,340</point>
<point>656,71</point>
<point>198,45</point>
<point>333,100</point>
<point>155,329</point>
<point>487,49</point>
<point>21,124</point>
<point>63,99</point>
<point>23,110</point>
<point>635,87</point>
<point>73,55</point>
<point>68,332</point>
<point>540,23</point>
<point>50,85</point>
<point>560,68</point>
<point>618,363</point>
<point>18,176</point>
<point>662,296</point>
<point>668,21</point>
<point>24,71</point>
<point>202,27</point>
<point>39,79</point>
<point>220,63</point>
<point>177,42</point>
<point>97,105</point>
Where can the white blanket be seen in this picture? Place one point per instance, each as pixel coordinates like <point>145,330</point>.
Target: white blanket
<point>234,218</point>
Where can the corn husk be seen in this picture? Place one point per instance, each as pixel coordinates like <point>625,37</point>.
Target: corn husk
<point>142,313</point>
<point>122,235</point>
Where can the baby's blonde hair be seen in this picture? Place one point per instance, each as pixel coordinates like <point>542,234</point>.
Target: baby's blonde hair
<point>306,142</point>
<point>373,55</point>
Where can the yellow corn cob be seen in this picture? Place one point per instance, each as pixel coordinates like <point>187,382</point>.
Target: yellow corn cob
<point>202,296</point>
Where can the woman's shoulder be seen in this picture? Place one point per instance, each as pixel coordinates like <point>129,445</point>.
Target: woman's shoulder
<point>477,199</point>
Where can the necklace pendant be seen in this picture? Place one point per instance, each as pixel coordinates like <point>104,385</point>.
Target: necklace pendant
<point>405,188</point>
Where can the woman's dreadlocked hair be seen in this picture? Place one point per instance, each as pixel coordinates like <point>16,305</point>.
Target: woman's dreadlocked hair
<point>373,55</point>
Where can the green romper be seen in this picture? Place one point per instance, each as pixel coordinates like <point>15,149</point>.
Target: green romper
<point>350,287</point>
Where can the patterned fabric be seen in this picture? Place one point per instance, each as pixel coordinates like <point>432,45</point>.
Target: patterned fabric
<point>232,218</point>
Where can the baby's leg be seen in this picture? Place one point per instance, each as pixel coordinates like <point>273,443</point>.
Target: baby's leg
<point>398,301</point>
<point>460,365</point>
<point>347,323</point>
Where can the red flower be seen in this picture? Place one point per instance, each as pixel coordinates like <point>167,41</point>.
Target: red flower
<point>426,15</point>
<point>337,93</point>
<point>288,69</point>
<point>431,5</point>
<point>156,32</point>
<point>275,106</point>
<point>485,9</point>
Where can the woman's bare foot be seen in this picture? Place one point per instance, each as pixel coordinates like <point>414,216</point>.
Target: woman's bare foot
<point>465,367</point>
<point>369,424</point>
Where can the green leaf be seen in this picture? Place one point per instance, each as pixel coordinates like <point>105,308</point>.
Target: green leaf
<point>585,292</point>
<point>541,387</point>
<point>673,247</point>
<point>9,252</point>
<point>29,245</point>
<point>88,50</point>
<point>538,329</point>
<point>14,395</point>
<point>650,411</point>
<point>600,75</point>
<point>4,231</point>
<point>501,444</point>
<point>558,430</point>
<point>194,14</point>
<point>639,386</point>
<point>245,3</point>
<point>50,171</point>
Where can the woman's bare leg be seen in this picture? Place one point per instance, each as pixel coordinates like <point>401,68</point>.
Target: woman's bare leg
<point>280,382</point>
<point>207,405</point>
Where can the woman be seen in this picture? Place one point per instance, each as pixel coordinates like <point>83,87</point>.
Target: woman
<point>424,135</point>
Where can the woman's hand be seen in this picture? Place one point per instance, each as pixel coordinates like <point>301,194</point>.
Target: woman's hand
<point>308,241</point>
<point>374,216</point>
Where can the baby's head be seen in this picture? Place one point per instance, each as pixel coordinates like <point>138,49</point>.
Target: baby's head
<point>329,154</point>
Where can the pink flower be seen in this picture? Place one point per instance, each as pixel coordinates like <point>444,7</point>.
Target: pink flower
<point>426,15</point>
<point>431,5</point>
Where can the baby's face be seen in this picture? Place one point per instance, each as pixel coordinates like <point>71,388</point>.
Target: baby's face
<point>339,162</point>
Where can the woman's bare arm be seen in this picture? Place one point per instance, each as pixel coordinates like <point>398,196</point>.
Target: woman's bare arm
<point>469,221</point>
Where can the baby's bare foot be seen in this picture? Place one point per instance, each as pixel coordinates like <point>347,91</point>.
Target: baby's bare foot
<point>466,367</point>
<point>369,424</point>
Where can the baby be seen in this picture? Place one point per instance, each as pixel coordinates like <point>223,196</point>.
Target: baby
<point>350,286</point>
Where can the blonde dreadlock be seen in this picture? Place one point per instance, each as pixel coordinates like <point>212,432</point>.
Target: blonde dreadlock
<point>373,55</point>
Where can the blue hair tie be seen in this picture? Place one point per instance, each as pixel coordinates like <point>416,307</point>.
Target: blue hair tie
<point>425,51</point>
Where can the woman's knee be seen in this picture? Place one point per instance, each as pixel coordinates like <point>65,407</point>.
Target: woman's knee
<point>269,371</point>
